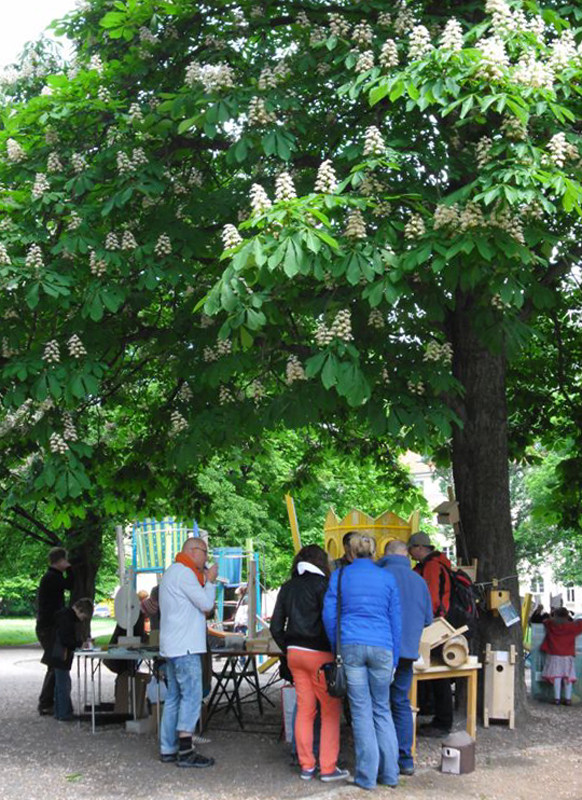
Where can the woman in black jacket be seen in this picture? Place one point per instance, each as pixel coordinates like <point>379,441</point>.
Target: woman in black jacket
<point>297,627</point>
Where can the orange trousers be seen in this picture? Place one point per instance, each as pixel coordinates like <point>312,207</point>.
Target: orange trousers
<point>310,687</point>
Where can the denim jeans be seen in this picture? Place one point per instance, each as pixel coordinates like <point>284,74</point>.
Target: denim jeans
<point>369,672</point>
<point>183,699</point>
<point>401,711</point>
<point>63,705</point>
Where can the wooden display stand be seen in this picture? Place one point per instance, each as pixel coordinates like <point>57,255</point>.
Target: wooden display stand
<point>499,702</point>
<point>440,632</point>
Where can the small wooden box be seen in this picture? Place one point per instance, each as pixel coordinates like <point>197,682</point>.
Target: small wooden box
<point>499,680</point>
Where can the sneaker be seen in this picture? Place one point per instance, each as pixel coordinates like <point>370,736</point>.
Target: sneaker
<point>336,775</point>
<point>567,702</point>
<point>196,739</point>
<point>168,758</point>
<point>557,702</point>
<point>194,760</point>
<point>46,712</point>
<point>307,774</point>
<point>406,770</point>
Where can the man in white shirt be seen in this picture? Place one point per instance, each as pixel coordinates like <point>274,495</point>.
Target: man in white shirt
<point>187,593</point>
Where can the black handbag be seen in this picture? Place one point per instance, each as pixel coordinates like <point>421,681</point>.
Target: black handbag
<point>335,671</point>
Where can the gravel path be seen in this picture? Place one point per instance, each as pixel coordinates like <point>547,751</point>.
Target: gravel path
<point>41,759</point>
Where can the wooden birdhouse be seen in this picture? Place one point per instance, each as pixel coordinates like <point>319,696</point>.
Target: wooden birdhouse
<point>458,754</point>
<point>447,512</point>
<point>499,680</point>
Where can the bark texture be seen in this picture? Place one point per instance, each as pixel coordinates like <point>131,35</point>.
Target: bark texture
<point>481,474</point>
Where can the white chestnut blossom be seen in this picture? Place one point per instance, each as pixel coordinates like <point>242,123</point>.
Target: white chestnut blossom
<point>471,217</point>
<point>135,113</point>
<point>384,19</point>
<point>185,393</point>
<point>97,266</point>
<point>225,396</point>
<point>34,259</point>
<point>363,34</point>
<point>124,165</point>
<point>415,227</point>
<point>230,237</point>
<point>78,162</point>
<point>323,335</point>
<point>74,222</point>
<point>14,151</point>
<point>389,54</point>
<point>419,43</point>
<point>4,257</point>
<point>531,72</point>
<point>41,185</point>
<point>294,371</point>
<point>69,430</point>
<point>445,216</point>
<point>494,58</point>
<point>339,26</point>
<point>564,53</point>
<point>257,113</point>
<point>341,327</point>
<point>355,226</point>
<point>139,157</point>
<point>404,20</point>
<point>104,94</point>
<point>483,151</point>
<point>514,128</point>
<point>438,352</point>
<point>376,319</point>
<point>416,387</point>
<point>76,347</point>
<point>51,353</point>
<point>365,61</point>
<point>502,20</point>
<point>561,150</point>
<point>163,246</point>
<point>452,36</point>
<point>96,63</point>
<point>111,241</point>
<point>53,163</point>
<point>128,241</point>
<point>259,199</point>
<point>510,222</point>
<point>57,444</point>
<point>326,181</point>
<point>302,20</point>
<point>213,77</point>
<point>374,144</point>
<point>284,187</point>
<point>178,423</point>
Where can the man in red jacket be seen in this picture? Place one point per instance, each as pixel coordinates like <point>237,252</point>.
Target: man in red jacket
<point>434,567</point>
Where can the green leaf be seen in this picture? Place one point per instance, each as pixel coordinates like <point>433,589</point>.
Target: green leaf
<point>329,372</point>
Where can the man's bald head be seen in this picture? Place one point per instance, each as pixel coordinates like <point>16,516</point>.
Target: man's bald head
<point>195,547</point>
<point>396,548</point>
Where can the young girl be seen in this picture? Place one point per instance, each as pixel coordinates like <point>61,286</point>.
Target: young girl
<point>560,647</point>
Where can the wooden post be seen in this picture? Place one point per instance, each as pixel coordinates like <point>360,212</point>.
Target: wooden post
<point>252,590</point>
<point>295,535</point>
<point>120,552</point>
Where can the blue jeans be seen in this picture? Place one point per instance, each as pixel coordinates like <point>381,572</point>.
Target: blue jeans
<point>369,672</point>
<point>63,705</point>
<point>401,711</point>
<point>183,700</point>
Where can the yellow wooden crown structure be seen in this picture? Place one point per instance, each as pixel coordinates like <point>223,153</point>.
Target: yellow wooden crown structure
<point>382,529</point>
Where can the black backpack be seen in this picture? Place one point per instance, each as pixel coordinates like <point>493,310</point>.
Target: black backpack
<point>464,601</point>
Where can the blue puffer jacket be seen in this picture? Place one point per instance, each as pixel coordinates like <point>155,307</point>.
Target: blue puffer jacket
<point>415,602</point>
<point>370,607</point>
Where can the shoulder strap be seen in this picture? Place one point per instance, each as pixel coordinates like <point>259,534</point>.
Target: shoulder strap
<point>339,613</point>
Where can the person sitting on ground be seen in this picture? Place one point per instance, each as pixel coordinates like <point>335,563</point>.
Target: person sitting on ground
<point>59,655</point>
<point>347,557</point>
<point>435,567</point>
<point>187,594</point>
<point>559,645</point>
<point>297,627</point>
<point>50,599</point>
<point>416,608</point>
<point>370,630</point>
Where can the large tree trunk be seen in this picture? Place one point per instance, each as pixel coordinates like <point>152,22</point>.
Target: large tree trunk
<point>85,549</point>
<point>481,475</point>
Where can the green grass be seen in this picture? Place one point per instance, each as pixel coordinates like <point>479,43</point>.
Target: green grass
<point>21,631</point>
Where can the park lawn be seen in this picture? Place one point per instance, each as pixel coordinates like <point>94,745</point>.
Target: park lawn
<point>20,631</point>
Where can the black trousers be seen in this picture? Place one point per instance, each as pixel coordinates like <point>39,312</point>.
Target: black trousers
<point>46,698</point>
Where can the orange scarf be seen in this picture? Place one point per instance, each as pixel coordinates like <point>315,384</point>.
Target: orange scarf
<point>182,558</point>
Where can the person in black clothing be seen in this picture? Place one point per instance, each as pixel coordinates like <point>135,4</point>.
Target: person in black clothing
<point>50,599</point>
<point>297,627</point>
<point>59,654</point>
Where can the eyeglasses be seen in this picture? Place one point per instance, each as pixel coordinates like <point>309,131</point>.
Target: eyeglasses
<point>204,549</point>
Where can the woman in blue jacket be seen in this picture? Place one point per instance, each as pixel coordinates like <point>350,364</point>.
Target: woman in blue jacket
<point>370,633</point>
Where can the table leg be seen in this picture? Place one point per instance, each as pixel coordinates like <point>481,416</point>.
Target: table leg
<point>79,710</point>
<point>413,704</point>
<point>472,703</point>
<point>93,667</point>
